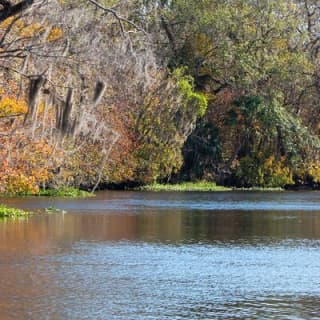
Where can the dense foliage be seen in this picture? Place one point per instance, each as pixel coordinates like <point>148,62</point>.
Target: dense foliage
<point>101,92</point>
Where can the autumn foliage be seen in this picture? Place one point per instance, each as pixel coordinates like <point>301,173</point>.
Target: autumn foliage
<point>159,91</point>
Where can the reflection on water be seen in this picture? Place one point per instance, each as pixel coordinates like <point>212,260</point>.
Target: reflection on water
<point>151,261</point>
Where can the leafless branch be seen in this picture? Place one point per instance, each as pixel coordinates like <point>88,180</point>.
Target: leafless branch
<point>119,18</point>
<point>10,10</point>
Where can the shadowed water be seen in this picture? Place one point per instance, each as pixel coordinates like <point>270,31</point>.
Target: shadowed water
<point>128,255</point>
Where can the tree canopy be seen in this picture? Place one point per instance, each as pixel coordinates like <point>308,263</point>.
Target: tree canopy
<point>99,92</point>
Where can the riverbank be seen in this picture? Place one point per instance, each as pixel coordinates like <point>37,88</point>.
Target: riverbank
<point>201,186</point>
<point>205,186</point>
<point>68,192</point>
<point>185,186</point>
<point>65,192</point>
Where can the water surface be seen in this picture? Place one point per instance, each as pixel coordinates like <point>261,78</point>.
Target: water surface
<point>130,255</point>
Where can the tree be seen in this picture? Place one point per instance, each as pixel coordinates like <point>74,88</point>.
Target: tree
<point>43,56</point>
<point>237,51</point>
<point>168,117</point>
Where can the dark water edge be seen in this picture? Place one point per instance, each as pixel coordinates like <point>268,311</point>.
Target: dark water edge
<point>133,255</point>
<point>137,186</point>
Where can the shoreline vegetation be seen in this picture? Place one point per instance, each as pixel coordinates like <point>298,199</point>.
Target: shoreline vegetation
<point>190,186</point>
<point>68,192</point>
<point>184,186</point>
<point>200,186</point>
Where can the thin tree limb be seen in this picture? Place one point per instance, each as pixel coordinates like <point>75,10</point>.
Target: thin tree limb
<point>10,10</point>
<point>120,19</point>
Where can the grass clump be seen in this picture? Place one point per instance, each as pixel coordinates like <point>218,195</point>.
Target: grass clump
<point>60,192</point>
<point>262,189</point>
<point>6,212</point>
<point>66,192</point>
<point>185,186</point>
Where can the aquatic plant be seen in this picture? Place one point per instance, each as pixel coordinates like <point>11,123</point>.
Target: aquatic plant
<point>65,192</point>
<point>6,212</point>
<point>53,209</point>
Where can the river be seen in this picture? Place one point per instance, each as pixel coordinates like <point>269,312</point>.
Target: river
<point>144,255</point>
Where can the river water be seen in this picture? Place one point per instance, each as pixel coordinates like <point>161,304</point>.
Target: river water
<point>144,255</point>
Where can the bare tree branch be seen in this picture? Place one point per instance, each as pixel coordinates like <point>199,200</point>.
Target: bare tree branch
<point>10,10</point>
<point>119,18</point>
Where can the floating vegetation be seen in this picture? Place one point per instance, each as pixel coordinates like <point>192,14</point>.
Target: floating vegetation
<point>6,212</point>
<point>52,209</point>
